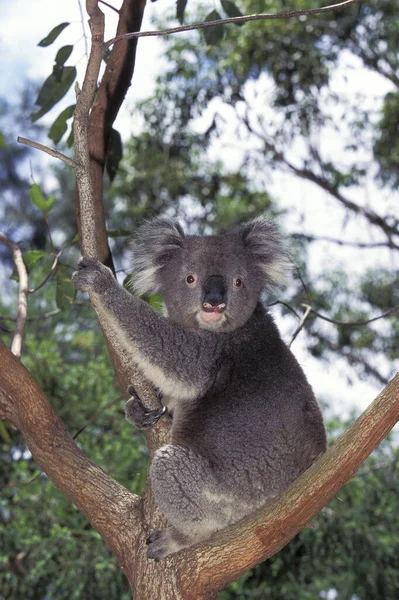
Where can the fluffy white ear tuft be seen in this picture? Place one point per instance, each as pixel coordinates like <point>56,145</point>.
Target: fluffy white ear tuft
<point>263,240</point>
<point>156,242</point>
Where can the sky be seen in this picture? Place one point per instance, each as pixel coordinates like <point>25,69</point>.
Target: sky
<point>20,32</point>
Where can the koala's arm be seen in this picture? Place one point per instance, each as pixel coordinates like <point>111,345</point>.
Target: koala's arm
<point>178,362</point>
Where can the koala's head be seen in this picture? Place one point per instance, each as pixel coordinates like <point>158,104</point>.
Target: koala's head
<point>211,282</point>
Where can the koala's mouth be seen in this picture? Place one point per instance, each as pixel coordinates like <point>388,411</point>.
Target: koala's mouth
<point>210,320</point>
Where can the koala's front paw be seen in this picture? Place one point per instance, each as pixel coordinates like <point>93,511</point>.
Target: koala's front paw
<point>139,414</point>
<point>158,544</point>
<point>92,275</point>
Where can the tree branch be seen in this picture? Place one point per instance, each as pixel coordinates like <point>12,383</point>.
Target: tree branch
<point>389,312</point>
<point>68,161</point>
<point>84,99</point>
<point>254,539</point>
<point>110,95</point>
<point>242,19</point>
<point>16,346</point>
<point>110,508</point>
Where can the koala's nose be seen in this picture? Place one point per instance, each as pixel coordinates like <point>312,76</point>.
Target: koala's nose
<point>214,297</point>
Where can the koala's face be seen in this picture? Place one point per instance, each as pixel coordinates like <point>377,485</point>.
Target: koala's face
<point>209,284</point>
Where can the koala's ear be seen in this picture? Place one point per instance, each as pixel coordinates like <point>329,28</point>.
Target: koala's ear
<point>262,239</point>
<point>155,244</point>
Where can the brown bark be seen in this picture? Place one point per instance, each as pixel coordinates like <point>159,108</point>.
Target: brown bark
<point>110,95</point>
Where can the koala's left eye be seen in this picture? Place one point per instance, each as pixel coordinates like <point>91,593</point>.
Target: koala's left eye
<point>237,282</point>
<point>192,279</point>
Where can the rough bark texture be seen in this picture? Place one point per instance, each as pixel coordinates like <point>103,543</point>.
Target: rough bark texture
<point>110,95</point>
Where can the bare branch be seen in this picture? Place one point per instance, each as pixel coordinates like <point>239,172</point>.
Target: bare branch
<point>108,505</point>
<point>96,415</point>
<point>315,238</point>
<point>109,6</point>
<point>84,101</point>
<point>16,346</point>
<point>300,325</point>
<point>53,268</point>
<point>389,312</point>
<point>242,19</point>
<point>286,306</point>
<point>47,150</point>
<point>46,315</point>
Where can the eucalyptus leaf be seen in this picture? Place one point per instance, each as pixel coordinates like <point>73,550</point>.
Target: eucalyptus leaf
<point>62,55</point>
<point>38,199</point>
<point>53,89</point>
<point>52,36</point>
<point>3,143</point>
<point>231,10</point>
<point>65,290</point>
<point>213,35</point>
<point>59,127</point>
<point>180,8</point>
<point>114,153</point>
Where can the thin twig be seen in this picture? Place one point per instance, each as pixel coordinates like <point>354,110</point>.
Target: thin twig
<point>94,417</point>
<point>47,150</point>
<point>242,19</point>
<point>16,345</point>
<point>53,268</point>
<point>314,238</point>
<point>286,306</point>
<point>351,323</point>
<point>82,19</point>
<point>300,325</point>
<point>109,6</point>
<point>298,272</point>
<point>46,315</point>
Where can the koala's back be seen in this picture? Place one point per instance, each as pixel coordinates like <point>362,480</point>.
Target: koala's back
<point>259,424</point>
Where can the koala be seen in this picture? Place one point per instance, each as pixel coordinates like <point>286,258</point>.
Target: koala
<point>245,422</point>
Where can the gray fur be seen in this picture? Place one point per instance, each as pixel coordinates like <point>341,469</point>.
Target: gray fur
<point>245,421</point>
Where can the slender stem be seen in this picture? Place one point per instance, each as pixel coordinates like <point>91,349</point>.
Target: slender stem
<point>389,312</point>
<point>300,325</point>
<point>47,150</point>
<point>16,345</point>
<point>242,19</point>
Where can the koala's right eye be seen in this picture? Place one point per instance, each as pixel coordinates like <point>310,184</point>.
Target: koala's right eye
<point>192,279</point>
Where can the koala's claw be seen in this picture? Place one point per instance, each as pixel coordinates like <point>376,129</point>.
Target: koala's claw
<point>92,275</point>
<point>157,545</point>
<point>139,414</point>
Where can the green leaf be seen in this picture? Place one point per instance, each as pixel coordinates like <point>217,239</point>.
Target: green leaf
<point>65,290</point>
<point>213,35</point>
<point>62,55</point>
<point>30,258</point>
<point>36,195</point>
<point>4,433</point>
<point>2,140</point>
<point>180,8</point>
<point>54,33</point>
<point>53,89</point>
<point>114,153</point>
<point>231,10</point>
<point>60,126</point>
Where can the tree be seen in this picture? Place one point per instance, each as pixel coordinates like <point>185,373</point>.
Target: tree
<point>122,518</point>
